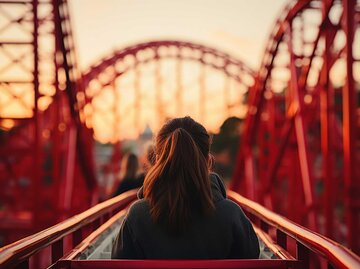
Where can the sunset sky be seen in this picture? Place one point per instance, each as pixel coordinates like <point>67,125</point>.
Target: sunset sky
<point>240,28</point>
<point>237,27</point>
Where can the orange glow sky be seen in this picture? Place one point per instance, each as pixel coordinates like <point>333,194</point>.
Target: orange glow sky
<point>239,27</point>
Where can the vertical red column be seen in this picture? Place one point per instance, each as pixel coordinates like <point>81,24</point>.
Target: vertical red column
<point>137,100</point>
<point>57,136</point>
<point>326,121</point>
<point>202,94</point>
<point>179,88</point>
<point>159,84</point>
<point>37,151</point>
<point>116,155</point>
<point>349,130</point>
<point>301,133</point>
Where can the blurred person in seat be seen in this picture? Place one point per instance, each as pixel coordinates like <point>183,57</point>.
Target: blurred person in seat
<point>130,179</point>
<point>148,161</point>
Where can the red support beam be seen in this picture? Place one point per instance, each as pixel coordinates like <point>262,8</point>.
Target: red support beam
<point>179,88</point>
<point>327,124</point>
<point>202,93</point>
<point>300,132</point>
<point>36,176</point>
<point>351,178</point>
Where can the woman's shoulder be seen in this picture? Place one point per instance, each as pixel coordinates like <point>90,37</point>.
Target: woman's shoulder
<point>138,209</point>
<point>139,205</point>
<point>229,209</point>
<point>229,205</point>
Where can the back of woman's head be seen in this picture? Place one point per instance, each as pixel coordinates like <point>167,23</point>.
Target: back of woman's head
<point>178,185</point>
<point>130,165</point>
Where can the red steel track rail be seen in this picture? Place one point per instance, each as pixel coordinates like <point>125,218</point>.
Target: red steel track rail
<point>224,60</point>
<point>300,142</point>
<point>17,255</point>
<point>309,245</point>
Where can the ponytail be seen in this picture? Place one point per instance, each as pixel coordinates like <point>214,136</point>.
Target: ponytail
<point>178,185</point>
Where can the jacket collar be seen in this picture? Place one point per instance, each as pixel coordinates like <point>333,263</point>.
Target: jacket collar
<point>217,188</point>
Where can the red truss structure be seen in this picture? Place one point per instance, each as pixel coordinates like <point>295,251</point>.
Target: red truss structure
<point>103,76</point>
<point>47,158</point>
<point>300,148</point>
<point>293,245</point>
<point>46,170</point>
<point>300,144</point>
<point>107,70</point>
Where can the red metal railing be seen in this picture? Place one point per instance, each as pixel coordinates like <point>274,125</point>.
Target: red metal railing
<point>18,254</point>
<point>297,115</point>
<point>308,243</point>
<point>309,248</point>
<point>179,264</point>
<point>73,258</point>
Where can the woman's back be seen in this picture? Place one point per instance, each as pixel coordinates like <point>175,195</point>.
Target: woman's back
<point>184,213</point>
<point>226,233</point>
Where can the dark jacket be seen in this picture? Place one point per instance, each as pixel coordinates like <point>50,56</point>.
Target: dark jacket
<point>226,234</point>
<point>128,184</point>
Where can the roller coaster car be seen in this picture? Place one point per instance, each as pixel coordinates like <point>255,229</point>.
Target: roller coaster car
<point>85,240</point>
<point>95,252</point>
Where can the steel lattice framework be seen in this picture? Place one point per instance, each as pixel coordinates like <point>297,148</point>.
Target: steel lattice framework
<point>42,136</point>
<point>47,151</point>
<point>173,57</point>
<point>301,143</point>
<point>107,70</point>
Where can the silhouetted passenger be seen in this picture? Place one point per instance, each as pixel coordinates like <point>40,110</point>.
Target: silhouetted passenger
<point>130,180</point>
<point>148,162</point>
<point>150,156</point>
<point>183,212</point>
<point>225,146</point>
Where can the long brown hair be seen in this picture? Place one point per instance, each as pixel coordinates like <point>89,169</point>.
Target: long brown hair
<point>178,185</point>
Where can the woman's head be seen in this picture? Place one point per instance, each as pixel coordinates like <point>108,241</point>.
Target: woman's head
<point>178,185</point>
<point>197,132</point>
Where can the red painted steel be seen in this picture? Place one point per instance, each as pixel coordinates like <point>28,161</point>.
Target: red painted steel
<point>45,149</point>
<point>107,70</point>
<point>94,236</point>
<point>130,58</point>
<point>21,251</point>
<point>300,144</point>
<point>326,104</point>
<point>308,243</point>
<point>350,136</point>
<point>301,138</point>
<point>316,244</point>
<point>224,63</point>
<point>178,264</point>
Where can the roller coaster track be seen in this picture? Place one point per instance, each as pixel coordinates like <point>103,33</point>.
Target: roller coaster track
<point>295,126</point>
<point>283,120</point>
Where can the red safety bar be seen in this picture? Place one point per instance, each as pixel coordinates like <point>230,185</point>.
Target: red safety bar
<point>78,227</point>
<point>72,260</point>
<point>276,231</point>
<point>179,264</point>
<point>309,246</point>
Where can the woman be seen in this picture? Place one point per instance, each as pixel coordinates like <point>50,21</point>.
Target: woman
<point>183,212</point>
<point>130,180</point>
